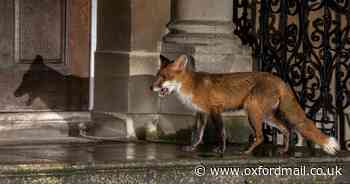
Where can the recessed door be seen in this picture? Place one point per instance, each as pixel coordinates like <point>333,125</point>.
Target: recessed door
<point>44,55</point>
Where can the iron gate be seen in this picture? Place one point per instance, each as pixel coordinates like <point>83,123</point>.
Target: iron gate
<point>306,43</point>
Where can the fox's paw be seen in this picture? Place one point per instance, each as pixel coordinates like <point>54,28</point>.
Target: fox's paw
<point>284,149</point>
<point>283,152</point>
<point>247,152</point>
<point>219,149</point>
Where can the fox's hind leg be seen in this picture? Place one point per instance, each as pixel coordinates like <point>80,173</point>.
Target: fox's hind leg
<point>274,121</point>
<point>219,128</point>
<point>256,122</point>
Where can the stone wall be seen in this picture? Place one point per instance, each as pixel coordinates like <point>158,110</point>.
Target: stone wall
<point>132,34</point>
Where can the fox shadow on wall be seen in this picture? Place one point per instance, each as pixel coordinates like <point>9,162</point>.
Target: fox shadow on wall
<point>53,89</point>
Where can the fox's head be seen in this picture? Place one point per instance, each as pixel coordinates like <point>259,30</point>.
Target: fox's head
<point>169,76</point>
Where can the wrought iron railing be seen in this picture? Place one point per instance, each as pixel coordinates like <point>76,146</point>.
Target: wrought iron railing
<point>306,43</point>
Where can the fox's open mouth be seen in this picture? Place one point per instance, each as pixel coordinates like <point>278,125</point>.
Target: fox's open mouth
<point>164,92</point>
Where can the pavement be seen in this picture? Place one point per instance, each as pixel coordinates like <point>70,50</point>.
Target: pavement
<point>85,161</point>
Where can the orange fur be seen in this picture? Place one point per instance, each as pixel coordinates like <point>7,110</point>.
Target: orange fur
<point>260,94</point>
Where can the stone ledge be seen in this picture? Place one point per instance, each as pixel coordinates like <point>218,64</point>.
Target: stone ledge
<point>41,141</point>
<point>41,125</point>
<point>46,116</point>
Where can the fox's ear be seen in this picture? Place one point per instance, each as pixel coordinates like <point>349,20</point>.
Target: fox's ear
<point>164,61</point>
<point>181,63</point>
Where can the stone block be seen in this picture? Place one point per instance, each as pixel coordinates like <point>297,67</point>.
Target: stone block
<point>41,125</point>
<point>237,129</point>
<point>222,63</point>
<point>114,25</point>
<point>176,128</point>
<point>111,64</point>
<point>141,122</point>
<point>149,22</point>
<point>207,10</point>
<point>143,63</point>
<point>111,94</point>
<point>172,105</point>
<point>106,126</point>
<point>141,99</point>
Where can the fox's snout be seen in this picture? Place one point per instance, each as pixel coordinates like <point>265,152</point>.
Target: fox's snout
<point>153,87</point>
<point>157,84</point>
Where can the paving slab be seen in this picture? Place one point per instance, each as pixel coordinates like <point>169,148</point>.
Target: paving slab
<point>141,162</point>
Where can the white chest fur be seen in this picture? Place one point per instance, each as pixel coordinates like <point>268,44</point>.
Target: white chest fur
<point>187,100</point>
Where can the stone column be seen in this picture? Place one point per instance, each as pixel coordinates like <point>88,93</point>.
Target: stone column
<point>204,29</point>
<point>129,33</point>
<point>129,38</point>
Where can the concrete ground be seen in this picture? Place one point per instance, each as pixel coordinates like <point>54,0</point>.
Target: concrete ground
<point>81,161</point>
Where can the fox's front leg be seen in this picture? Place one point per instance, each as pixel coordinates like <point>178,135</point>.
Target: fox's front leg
<point>201,122</point>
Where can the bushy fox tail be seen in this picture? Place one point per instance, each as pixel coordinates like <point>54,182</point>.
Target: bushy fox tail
<point>291,109</point>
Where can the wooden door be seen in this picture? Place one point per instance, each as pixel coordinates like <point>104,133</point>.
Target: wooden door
<point>44,55</point>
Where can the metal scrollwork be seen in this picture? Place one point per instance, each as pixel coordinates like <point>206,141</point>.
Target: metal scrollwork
<point>307,43</point>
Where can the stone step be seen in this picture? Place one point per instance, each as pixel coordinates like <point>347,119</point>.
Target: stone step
<point>41,125</point>
<point>44,141</point>
<point>153,163</point>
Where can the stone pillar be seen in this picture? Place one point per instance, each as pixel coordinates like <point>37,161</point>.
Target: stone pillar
<point>129,39</point>
<point>204,29</point>
<point>127,57</point>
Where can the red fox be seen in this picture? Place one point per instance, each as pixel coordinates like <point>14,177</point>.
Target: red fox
<point>260,94</point>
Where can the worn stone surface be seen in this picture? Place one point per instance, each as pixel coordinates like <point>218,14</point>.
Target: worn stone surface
<point>237,129</point>
<point>208,10</point>
<point>41,125</point>
<point>127,55</point>
<point>151,164</point>
<point>106,126</point>
<point>141,99</point>
<point>148,24</point>
<point>79,37</point>
<point>114,25</point>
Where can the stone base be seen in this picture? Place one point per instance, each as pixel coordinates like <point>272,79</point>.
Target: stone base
<point>41,125</point>
<point>178,128</point>
<point>56,126</point>
<point>212,44</point>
